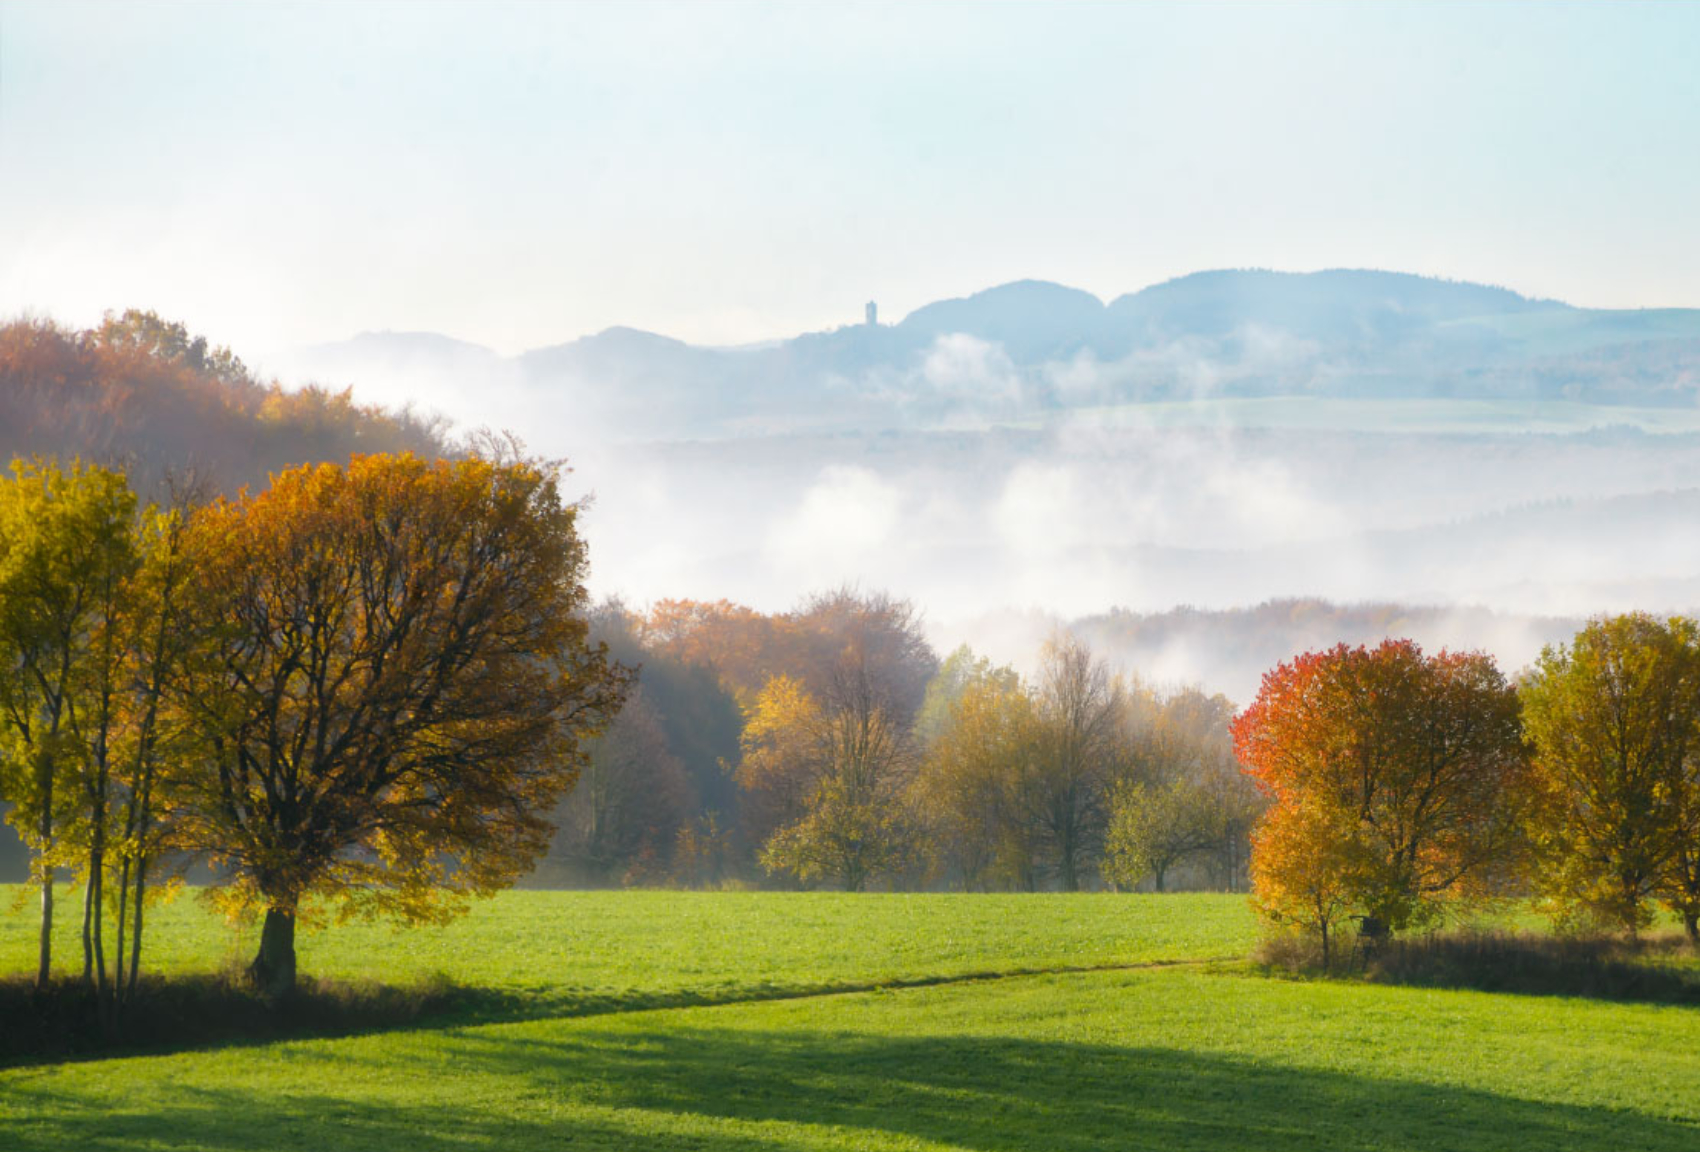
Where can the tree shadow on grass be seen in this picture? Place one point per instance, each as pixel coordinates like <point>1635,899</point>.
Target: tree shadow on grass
<point>1655,970</point>
<point>706,1089</point>
<point>199,1012</point>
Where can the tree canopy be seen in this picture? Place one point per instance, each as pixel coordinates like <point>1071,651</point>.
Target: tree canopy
<point>397,690</point>
<point>1411,766</point>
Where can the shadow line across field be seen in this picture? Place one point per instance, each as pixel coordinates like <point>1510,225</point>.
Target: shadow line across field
<point>465,1006</point>
<point>501,1006</point>
<point>735,1090</point>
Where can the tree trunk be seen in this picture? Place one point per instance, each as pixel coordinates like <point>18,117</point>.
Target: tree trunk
<point>1069,867</point>
<point>89,886</point>
<point>136,930</point>
<point>44,964</point>
<point>97,884</point>
<point>1691,924</point>
<point>1157,878</point>
<point>123,923</point>
<point>44,967</point>
<point>273,969</point>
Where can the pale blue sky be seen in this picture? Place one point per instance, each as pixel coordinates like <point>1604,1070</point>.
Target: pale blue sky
<point>521,175</point>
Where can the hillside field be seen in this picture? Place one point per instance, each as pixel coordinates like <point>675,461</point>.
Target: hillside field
<point>764,1021</point>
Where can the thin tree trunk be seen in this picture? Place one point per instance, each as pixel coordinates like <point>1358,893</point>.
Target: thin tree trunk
<point>97,885</point>
<point>44,869</point>
<point>123,922</point>
<point>44,963</point>
<point>1691,924</point>
<point>136,930</point>
<point>89,886</point>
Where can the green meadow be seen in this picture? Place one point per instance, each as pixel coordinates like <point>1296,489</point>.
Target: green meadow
<point>764,1021</point>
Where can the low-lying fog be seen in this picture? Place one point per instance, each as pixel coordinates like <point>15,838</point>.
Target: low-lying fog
<point>999,522</point>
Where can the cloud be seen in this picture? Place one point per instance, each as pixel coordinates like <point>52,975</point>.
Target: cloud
<point>838,528</point>
<point>963,367</point>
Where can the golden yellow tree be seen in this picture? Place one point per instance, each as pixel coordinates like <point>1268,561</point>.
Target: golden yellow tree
<point>66,548</point>
<point>1615,719</point>
<point>835,774</point>
<point>985,740</point>
<point>396,692</point>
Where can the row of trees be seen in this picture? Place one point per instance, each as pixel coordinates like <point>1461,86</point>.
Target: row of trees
<point>855,757</point>
<point>1401,785</point>
<point>361,690</point>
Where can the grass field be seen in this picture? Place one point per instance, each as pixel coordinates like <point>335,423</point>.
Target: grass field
<point>591,951</point>
<point>1199,1053</point>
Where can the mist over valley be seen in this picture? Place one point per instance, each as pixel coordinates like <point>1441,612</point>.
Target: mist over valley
<point>1029,456</point>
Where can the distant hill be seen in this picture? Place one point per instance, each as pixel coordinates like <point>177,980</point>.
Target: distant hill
<point>144,394</point>
<point>1033,347</point>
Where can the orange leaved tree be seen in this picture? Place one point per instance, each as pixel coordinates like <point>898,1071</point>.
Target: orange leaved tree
<point>396,691</point>
<point>1395,782</point>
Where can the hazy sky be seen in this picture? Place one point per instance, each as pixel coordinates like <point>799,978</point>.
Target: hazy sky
<point>521,175</point>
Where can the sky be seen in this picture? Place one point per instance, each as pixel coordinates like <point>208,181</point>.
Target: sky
<point>520,175</point>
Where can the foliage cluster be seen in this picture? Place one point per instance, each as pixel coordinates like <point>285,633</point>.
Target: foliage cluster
<point>360,689</point>
<point>860,759</point>
<point>1402,784</point>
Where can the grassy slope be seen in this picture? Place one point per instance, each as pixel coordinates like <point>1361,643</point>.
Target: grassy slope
<point>1202,1056</point>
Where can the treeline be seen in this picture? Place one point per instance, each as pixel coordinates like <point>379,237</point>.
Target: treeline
<point>1404,786</point>
<point>830,745</point>
<point>357,691</point>
<point>145,394</point>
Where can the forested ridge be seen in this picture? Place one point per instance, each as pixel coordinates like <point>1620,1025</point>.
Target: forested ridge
<point>144,393</point>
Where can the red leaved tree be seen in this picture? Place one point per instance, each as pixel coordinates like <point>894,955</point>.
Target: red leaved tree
<point>1395,780</point>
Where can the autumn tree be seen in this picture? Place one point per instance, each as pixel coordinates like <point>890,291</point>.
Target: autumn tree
<point>745,647</point>
<point>699,722</point>
<point>778,762</point>
<point>1077,752</point>
<point>827,632</point>
<point>878,634</point>
<point>1678,883</point>
<point>146,740</point>
<point>984,737</point>
<point>842,764</point>
<point>66,551</point>
<point>398,690</point>
<point>1615,720</point>
<point>1410,766</point>
<point>1183,798</point>
<point>1153,827</point>
<point>623,815</point>
<point>1308,866</point>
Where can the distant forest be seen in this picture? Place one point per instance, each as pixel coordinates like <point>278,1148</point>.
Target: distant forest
<point>143,393</point>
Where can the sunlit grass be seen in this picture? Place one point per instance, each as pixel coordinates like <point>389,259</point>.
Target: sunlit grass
<point>1168,1058</point>
<point>570,950</point>
<point>1192,1054</point>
